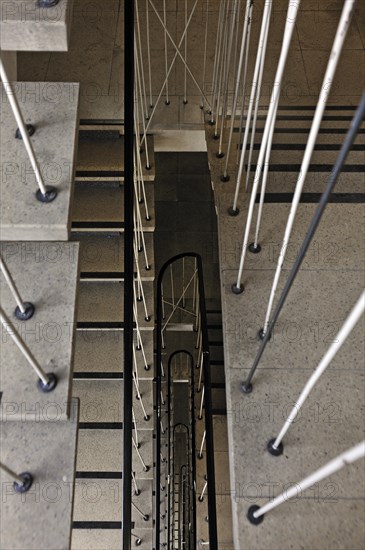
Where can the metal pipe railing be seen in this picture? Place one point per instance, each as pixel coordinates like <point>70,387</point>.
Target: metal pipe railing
<point>23,310</point>
<point>341,159</point>
<point>45,193</point>
<point>256,513</point>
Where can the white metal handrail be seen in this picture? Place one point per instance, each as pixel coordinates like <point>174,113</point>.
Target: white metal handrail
<point>46,193</point>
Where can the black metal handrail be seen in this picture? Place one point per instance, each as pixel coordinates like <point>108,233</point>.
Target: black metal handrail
<point>212,514</point>
<point>128,271</point>
<point>193,445</point>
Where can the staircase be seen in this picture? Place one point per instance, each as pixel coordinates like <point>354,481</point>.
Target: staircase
<point>39,415</point>
<point>67,258</point>
<point>330,281</point>
<point>97,224</point>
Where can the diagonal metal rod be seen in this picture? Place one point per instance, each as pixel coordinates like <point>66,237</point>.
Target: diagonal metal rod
<point>5,271</point>
<point>23,348</point>
<point>341,337</point>
<point>341,159</point>
<point>288,33</point>
<point>261,51</point>
<point>10,473</point>
<point>217,56</point>
<point>237,85</point>
<point>256,513</point>
<point>205,51</point>
<point>149,53</point>
<point>170,69</point>
<point>177,48</point>
<point>226,76</point>
<point>22,128</point>
<point>338,42</point>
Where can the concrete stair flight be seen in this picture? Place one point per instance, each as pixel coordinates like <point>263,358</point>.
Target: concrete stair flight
<point>101,157</point>
<point>98,224</point>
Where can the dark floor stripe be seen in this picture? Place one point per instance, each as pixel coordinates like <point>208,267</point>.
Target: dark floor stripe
<point>317,168</point>
<point>99,475</point>
<point>313,107</point>
<point>216,362</point>
<point>104,122</point>
<point>96,525</point>
<point>214,327</point>
<point>99,173</point>
<point>101,325</point>
<point>215,343</point>
<point>103,274</point>
<point>101,425</point>
<point>85,375</point>
<point>302,147</point>
<point>219,412</point>
<point>212,311</point>
<point>344,198</point>
<point>218,385</point>
<point>98,225</point>
<point>334,118</point>
<point>306,130</point>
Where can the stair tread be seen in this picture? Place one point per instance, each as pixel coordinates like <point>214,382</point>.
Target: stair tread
<point>98,352</point>
<point>23,217</point>
<point>102,401</point>
<point>108,494</point>
<point>46,274</point>
<point>104,303</point>
<point>101,158</point>
<point>100,539</point>
<point>46,450</point>
<point>102,208</point>
<point>102,257</point>
<point>51,32</point>
<point>102,450</point>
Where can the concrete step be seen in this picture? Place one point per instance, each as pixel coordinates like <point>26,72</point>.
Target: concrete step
<point>47,451</point>
<point>100,449</point>
<point>101,157</point>
<point>27,27</point>
<point>108,536</point>
<point>105,504</point>
<point>101,209</point>
<point>101,306</point>
<point>99,355</point>
<point>53,110</point>
<point>102,257</point>
<point>46,275</point>
<point>102,401</point>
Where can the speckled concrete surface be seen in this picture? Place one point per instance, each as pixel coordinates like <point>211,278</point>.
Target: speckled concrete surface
<point>332,420</point>
<point>41,518</point>
<point>53,110</point>
<point>46,274</point>
<point>102,351</point>
<point>99,203</point>
<point>26,27</point>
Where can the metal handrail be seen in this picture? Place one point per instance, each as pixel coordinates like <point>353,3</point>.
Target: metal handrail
<point>129,10</point>
<point>212,514</point>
